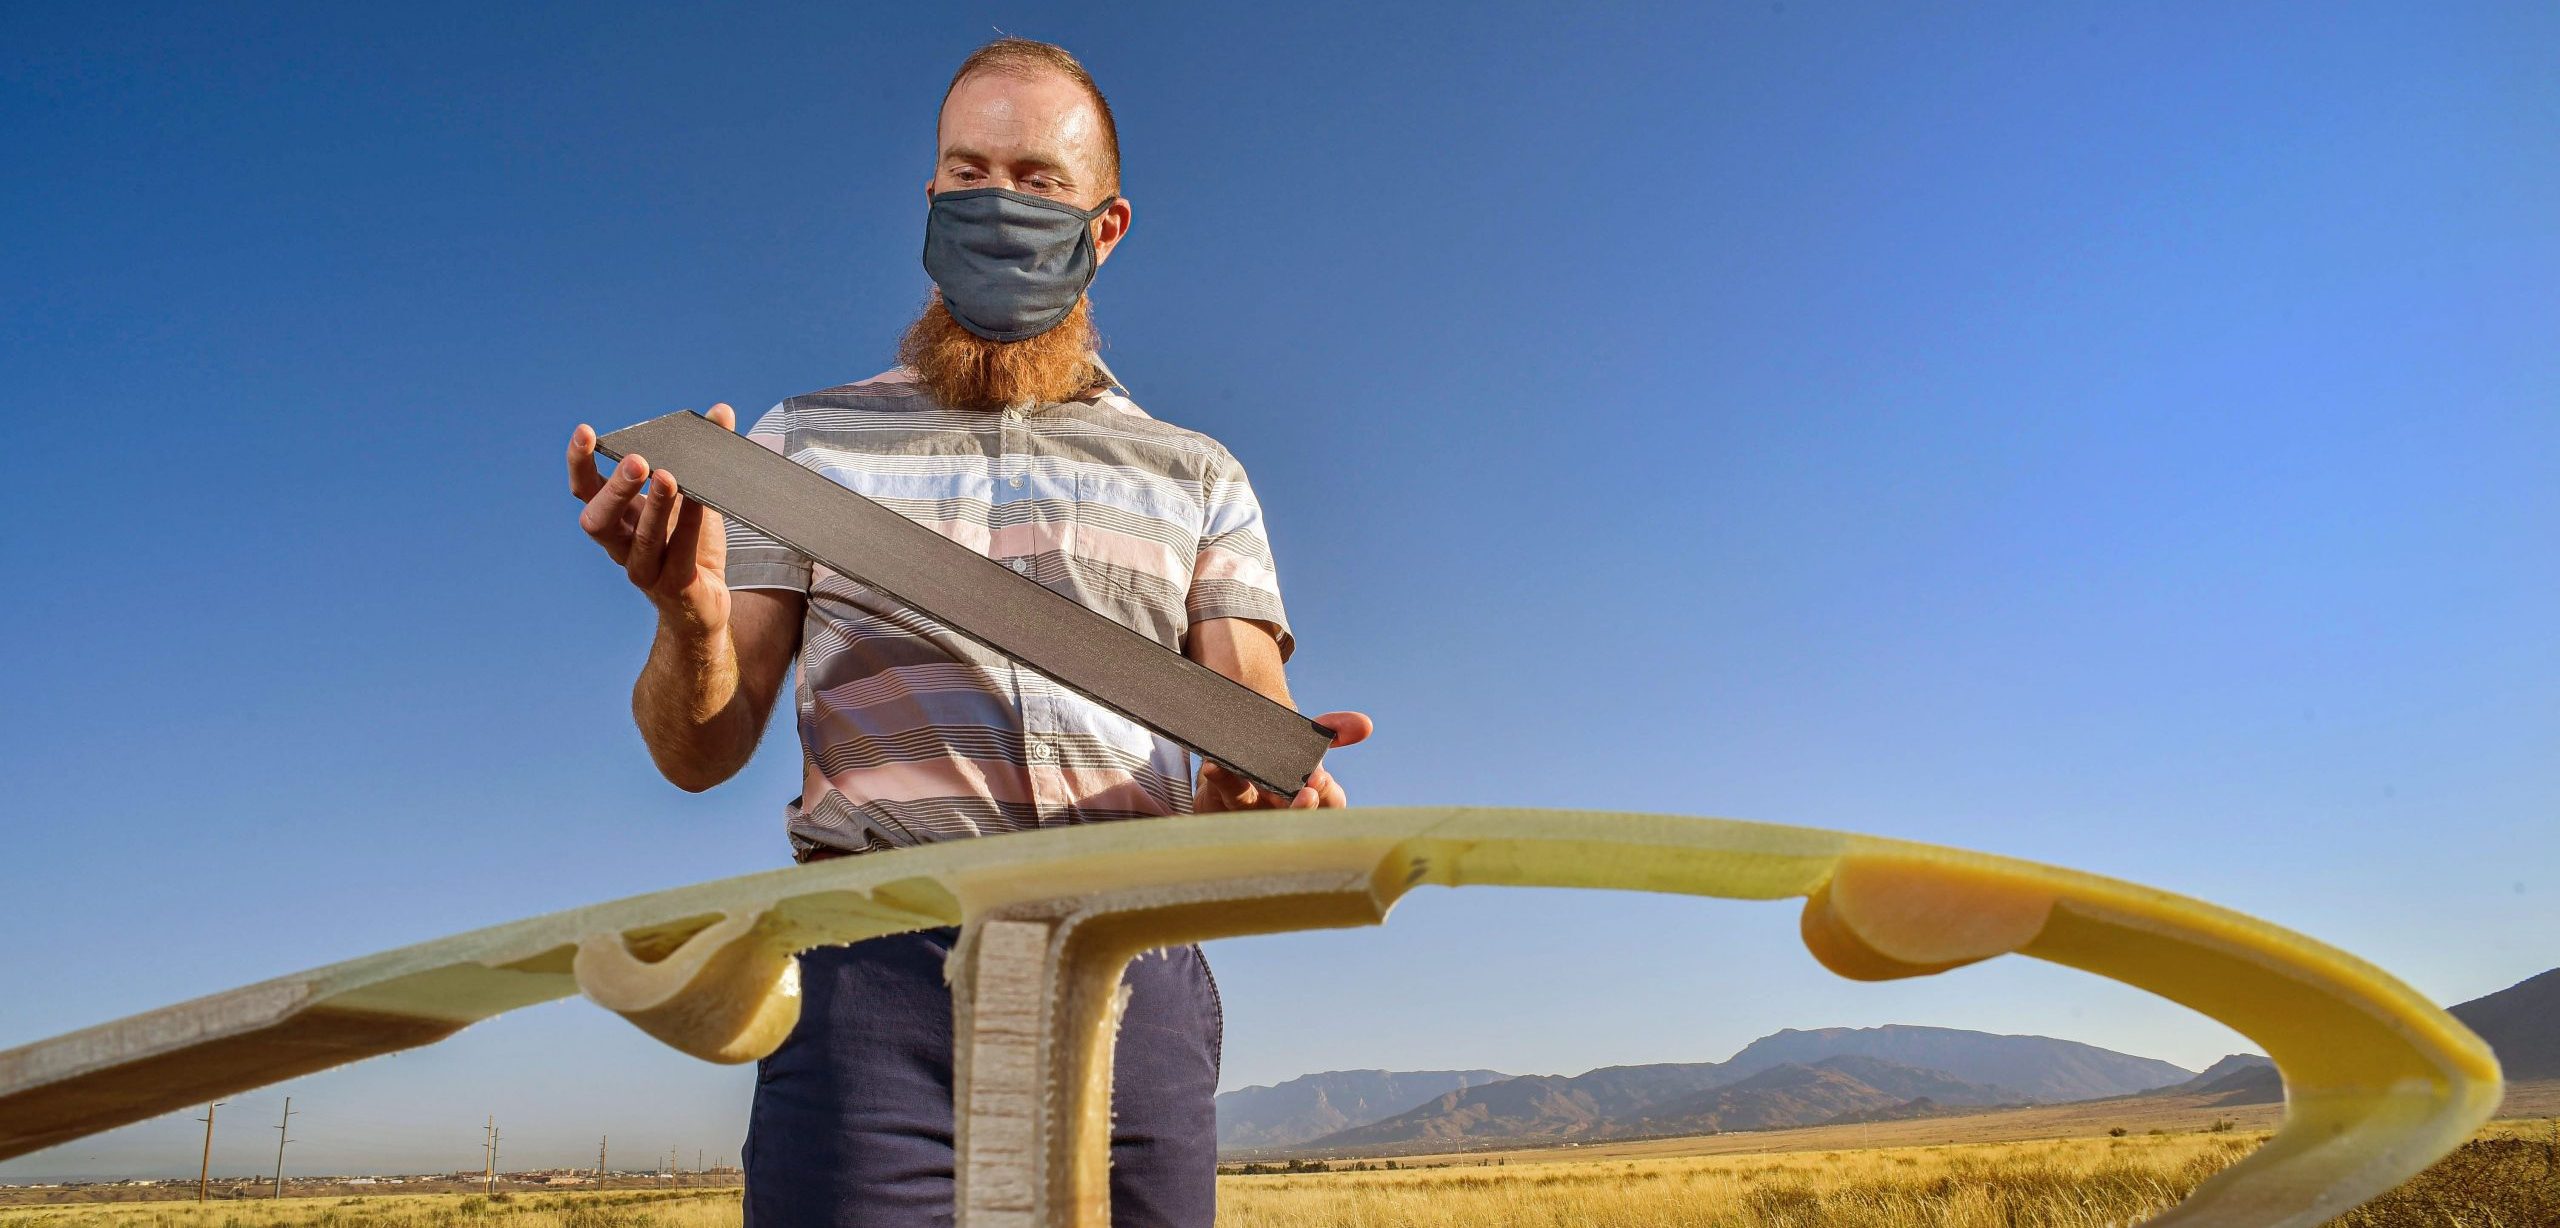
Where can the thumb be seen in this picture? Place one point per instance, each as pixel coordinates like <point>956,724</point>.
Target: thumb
<point>1347,727</point>
<point>723,415</point>
<point>711,545</point>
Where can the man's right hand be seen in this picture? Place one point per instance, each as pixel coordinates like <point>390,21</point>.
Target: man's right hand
<point>674,550</point>
<point>717,661</point>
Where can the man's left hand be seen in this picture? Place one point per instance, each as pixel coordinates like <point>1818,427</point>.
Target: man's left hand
<point>1222,790</point>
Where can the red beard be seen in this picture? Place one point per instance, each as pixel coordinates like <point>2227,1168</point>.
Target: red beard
<point>966,371</point>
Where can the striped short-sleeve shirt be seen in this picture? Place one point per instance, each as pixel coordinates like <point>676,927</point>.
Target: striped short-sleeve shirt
<point>911,732</point>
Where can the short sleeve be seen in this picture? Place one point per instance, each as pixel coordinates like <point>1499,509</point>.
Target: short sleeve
<point>1233,576</point>
<point>756,560</point>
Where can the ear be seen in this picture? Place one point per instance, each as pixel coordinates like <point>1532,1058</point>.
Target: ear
<point>1108,229</point>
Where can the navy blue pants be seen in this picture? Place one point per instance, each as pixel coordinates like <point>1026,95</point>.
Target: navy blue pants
<point>852,1120</point>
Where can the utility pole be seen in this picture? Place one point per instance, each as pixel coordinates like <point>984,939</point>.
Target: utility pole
<point>600,1142</point>
<point>489,1159</point>
<point>206,1169</point>
<point>697,1161</point>
<point>281,1140</point>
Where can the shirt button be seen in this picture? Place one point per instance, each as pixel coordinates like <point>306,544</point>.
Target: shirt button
<point>1015,481</point>
<point>1042,752</point>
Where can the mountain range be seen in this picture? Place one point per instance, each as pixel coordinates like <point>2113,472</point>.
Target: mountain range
<point>1788,1078</point>
<point>1312,1106</point>
<point>1792,1078</point>
<point>2241,1078</point>
<point>2034,1069</point>
<point>2521,1022</point>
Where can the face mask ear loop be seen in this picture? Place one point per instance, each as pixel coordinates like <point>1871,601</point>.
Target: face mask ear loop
<point>1091,243</point>
<point>1098,364</point>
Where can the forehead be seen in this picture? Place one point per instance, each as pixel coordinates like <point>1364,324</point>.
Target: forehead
<point>1037,114</point>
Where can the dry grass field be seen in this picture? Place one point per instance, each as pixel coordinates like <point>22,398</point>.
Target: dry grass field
<point>2509,1177</point>
<point>2015,1185</point>
<point>604,1209</point>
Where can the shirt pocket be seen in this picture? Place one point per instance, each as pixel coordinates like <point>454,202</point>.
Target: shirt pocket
<point>1121,555</point>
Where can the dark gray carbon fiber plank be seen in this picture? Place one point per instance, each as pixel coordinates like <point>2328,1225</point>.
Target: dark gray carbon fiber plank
<point>1122,670</point>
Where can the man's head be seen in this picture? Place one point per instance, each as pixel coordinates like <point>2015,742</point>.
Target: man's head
<point>1024,117</point>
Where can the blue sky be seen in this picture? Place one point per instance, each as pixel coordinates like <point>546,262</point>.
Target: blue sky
<point>2115,438</point>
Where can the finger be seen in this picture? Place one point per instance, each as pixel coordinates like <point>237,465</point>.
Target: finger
<point>723,415</point>
<point>1328,790</point>
<point>605,518</point>
<point>583,479</point>
<point>1319,782</point>
<point>1303,799</point>
<point>1237,792</point>
<point>1347,727</point>
<point>649,541</point>
<point>683,558</point>
<point>1214,781</point>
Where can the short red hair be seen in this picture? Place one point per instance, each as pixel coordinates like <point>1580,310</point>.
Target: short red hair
<point>1023,57</point>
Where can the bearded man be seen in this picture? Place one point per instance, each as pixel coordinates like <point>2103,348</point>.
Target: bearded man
<point>1001,429</point>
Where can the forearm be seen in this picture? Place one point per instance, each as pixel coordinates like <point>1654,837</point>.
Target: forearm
<point>1259,672</point>
<point>690,707</point>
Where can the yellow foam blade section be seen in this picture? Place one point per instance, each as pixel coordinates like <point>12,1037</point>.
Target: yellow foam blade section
<point>2379,1081</point>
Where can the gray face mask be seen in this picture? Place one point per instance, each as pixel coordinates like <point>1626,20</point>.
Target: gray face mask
<point>1010,265</point>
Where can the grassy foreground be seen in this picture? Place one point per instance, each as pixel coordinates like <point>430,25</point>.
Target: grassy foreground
<point>603,1209</point>
<point>2500,1181</point>
<point>2014,1185</point>
<point>2505,1179</point>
